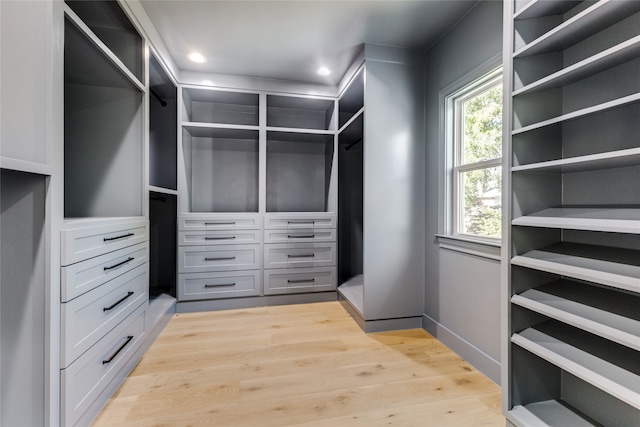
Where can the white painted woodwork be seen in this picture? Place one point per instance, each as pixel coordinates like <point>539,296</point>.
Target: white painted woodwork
<point>86,319</point>
<point>302,235</point>
<point>195,259</point>
<point>287,255</point>
<point>298,280</point>
<point>226,284</point>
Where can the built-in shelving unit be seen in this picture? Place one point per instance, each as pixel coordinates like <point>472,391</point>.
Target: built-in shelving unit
<point>103,145</point>
<point>572,269</point>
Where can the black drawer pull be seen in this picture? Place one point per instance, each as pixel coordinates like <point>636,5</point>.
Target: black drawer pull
<point>119,264</point>
<point>301,221</point>
<point>220,259</point>
<point>301,281</point>
<point>301,256</point>
<point>108,239</point>
<point>300,236</point>
<point>118,302</point>
<point>219,285</point>
<point>220,238</point>
<point>113,356</point>
<point>220,223</point>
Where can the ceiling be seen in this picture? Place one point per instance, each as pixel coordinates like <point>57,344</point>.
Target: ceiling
<point>290,40</point>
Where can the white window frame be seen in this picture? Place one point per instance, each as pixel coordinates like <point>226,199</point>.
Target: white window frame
<point>476,245</point>
<point>458,168</point>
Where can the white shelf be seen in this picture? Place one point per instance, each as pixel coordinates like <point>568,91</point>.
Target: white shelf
<point>24,166</point>
<point>581,113</point>
<point>581,26</point>
<point>583,358</point>
<point>540,8</point>
<point>582,262</point>
<point>353,291</point>
<point>162,190</point>
<point>549,413</point>
<point>593,309</point>
<point>207,129</point>
<point>615,220</point>
<point>103,49</point>
<point>607,160</point>
<point>301,131</point>
<point>616,55</point>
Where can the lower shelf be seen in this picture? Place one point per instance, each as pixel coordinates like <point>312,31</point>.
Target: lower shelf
<point>353,291</point>
<point>550,413</point>
<point>159,306</point>
<point>610,367</point>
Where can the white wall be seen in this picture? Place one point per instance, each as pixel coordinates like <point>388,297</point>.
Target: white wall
<point>462,290</point>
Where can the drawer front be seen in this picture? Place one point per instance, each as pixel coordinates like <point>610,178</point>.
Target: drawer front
<point>84,243</point>
<point>287,255</point>
<point>84,380</point>
<point>89,317</point>
<point>83,276</point>
<point>292,221</point>
<point>194,259</point>
<point>219,222</point>
<point>198,286</point>
<point>298,280</point>
<point>218,237</point>
<point>302,235</point>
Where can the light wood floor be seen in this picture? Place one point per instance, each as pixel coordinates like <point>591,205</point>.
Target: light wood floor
<point>299,365</point>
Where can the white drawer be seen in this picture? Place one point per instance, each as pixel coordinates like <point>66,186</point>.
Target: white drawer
<point>300,220</point>
<point>219,222</point>
<point>84,380</point>
<point>84,243</point>
<point>287,255</point>
<point>297,280</point>
<point>230,237</point>
<point>302,235</point>
<point>197,286</point>
<point>83,276</point>
<point>89,317</point>
<point>194,259</point>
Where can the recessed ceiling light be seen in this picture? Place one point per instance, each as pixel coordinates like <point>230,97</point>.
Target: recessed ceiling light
<point>323,71</point>
<point>197,57</point>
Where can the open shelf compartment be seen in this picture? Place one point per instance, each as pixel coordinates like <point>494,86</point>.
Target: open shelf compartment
<point>220,107</point>
<point>299,171</point>
<point>300,112</point>
<point>222,169</point>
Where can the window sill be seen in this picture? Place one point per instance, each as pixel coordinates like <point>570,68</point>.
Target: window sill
<point>481,248</point>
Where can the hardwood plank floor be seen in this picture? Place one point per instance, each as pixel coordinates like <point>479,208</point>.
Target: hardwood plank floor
<point>299,365</point>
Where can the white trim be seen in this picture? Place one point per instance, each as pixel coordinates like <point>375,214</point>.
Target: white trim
<point>483,73</point>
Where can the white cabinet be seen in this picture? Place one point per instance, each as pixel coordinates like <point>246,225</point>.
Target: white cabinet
<point>573,238</point>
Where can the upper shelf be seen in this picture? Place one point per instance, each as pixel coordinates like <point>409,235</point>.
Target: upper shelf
<point>607,160</point>
<point>606,106</point>
<point>352,99</point>
<point>539,8</point>
<point>606,313</point>
<point>618,268</point>
<point>615,220</point>
<point>603,364</point>
<point>24,166</point>
<point>220,107</point>
<point>609,58</point>
<point>300,112</point>
<point>590,21</point>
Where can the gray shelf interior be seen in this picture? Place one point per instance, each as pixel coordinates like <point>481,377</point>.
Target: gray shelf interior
<point>220,107</point>
<point>103,128</point>
<point>163,127</point>
<point>352,100</point>
<point>222,169</point>
<point>298,171</point>
<point>350,201</point>
<point>23,290</point>
<point>298,112</point>
<point>109,22</point>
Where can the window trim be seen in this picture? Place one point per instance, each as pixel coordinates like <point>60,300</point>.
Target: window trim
<point>485,72</point>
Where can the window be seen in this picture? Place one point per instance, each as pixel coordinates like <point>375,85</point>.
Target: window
<point>475,157</point>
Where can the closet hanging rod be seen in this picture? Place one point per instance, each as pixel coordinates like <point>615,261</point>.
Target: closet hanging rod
<point>353,144</point>
<point>162,101</point>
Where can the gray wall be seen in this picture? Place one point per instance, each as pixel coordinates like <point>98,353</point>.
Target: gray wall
<point>462,291</point>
